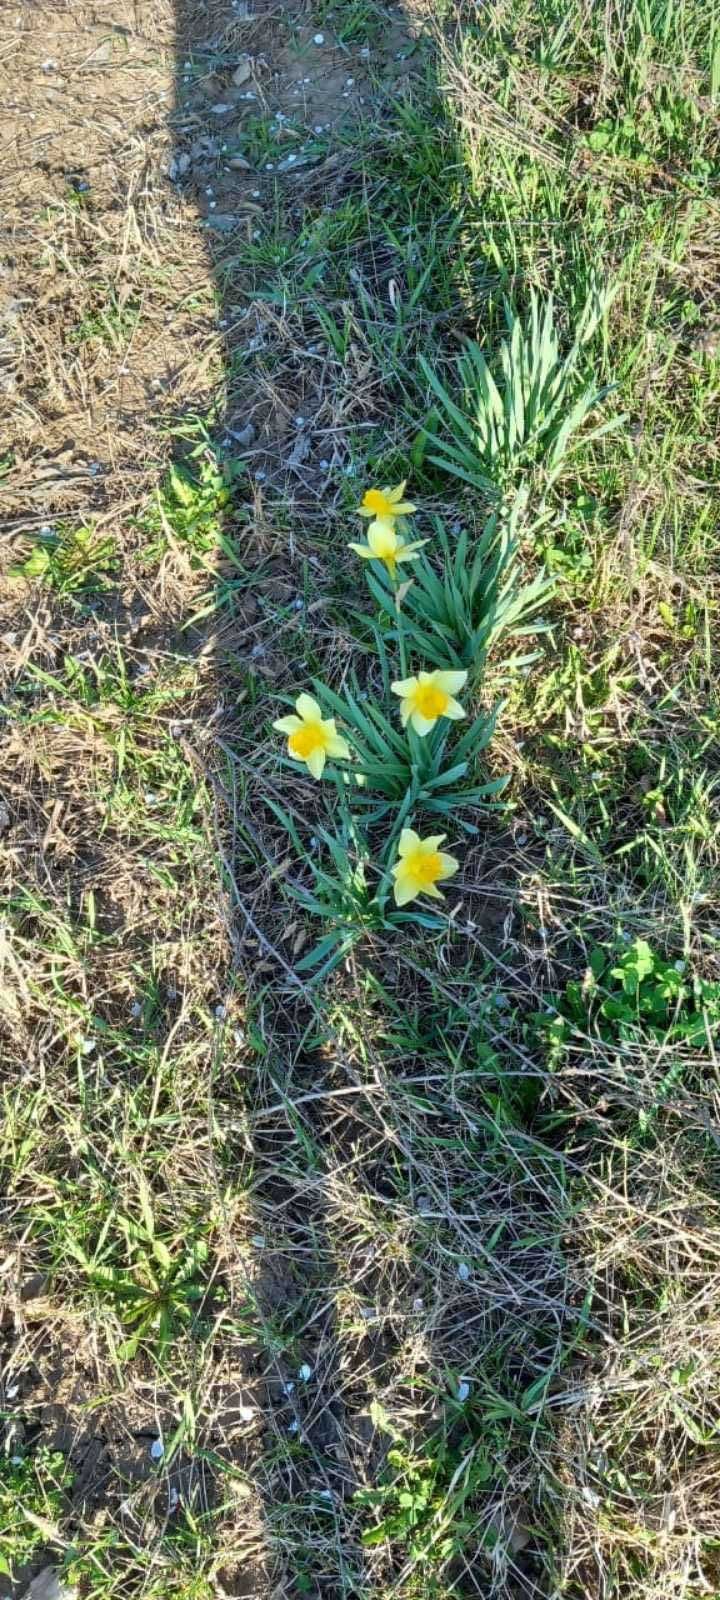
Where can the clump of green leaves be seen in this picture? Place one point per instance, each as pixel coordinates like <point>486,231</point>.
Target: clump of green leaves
<point>71,560</point>
<point>152,1279</point>
<point>636,991</point>
<point>460,613</point>
<point>522,410</point>
<point>425,1499</point>
<point>32,1498</point>
<point>193,508</point>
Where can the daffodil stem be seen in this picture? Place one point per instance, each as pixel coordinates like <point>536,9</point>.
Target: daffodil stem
<point>413,741</point>
<point>404,810</point>
<point>400,633</point>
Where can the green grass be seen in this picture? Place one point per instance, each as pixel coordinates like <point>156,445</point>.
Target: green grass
<point>400,1236</point>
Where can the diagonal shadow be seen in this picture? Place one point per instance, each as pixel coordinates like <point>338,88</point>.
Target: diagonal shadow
<point>370,1136</point>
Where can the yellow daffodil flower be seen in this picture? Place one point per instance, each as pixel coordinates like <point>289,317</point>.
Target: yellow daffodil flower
<point>429,696</point>
<point>420,866</point>
<point>387,504</point>
<point>384,544</point>
<point>311,737</point>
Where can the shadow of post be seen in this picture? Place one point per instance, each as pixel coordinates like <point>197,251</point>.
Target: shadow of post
<point>373,1156</point>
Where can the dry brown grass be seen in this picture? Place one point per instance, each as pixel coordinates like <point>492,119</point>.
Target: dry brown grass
<point>371,1194</point>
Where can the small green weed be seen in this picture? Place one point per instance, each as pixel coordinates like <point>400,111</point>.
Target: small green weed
<point>635,992</point>
<point>426,1501</point>
<point>195,507</point>
<point>153,1278</point>
<point>32,1498</point>
<point>113,324</point>
<point>72,561</point>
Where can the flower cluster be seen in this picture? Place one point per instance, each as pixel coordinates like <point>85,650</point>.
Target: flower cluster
<point>425,699</point>
<point>384,543</point>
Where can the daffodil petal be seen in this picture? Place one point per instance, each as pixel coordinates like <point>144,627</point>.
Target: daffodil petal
<point>308,709</point>
<point>409,840</point>
<point>433,891</point>
<point>422,725</point>
<point>382,538</point>
<point>316,762</point>
<point>404,686</point>
<point>448,863</point>
<point>405,553</point>
<point>454,710</point>
<point>451,682</point>
<point>338,747</point>
<point>288,724</point>
<point>404,891</point>
<point>362,550</point>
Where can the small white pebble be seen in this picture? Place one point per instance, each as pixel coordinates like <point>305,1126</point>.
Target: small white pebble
<point>325,1494</point>
<point>12,1391</point>
<point>136,1009</point>
<point>317,128</point>
<point>258,1239</point>
<point>246,1413</point>
<point>305,1372</point>
<point>324,464</point>
<point>463,1390</point>
<point>294,1426</point>
<point>212,205</point>
<point>16,1461</point>
<point>173,1499</point>
<point>349,82</point>
<point>221,1012</point>
<point>157,1449</point>
<point>269,166</point>
<point>319,38</point>
<point>87,1046</point>
<point>289,1387</point>
<point>418,1303</point>
<point>208,190</point>
<point>256,194</point>
<point>299,422</point>
<point>291,158</point>
<point>260,475</point>
<point>463,1272</point>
